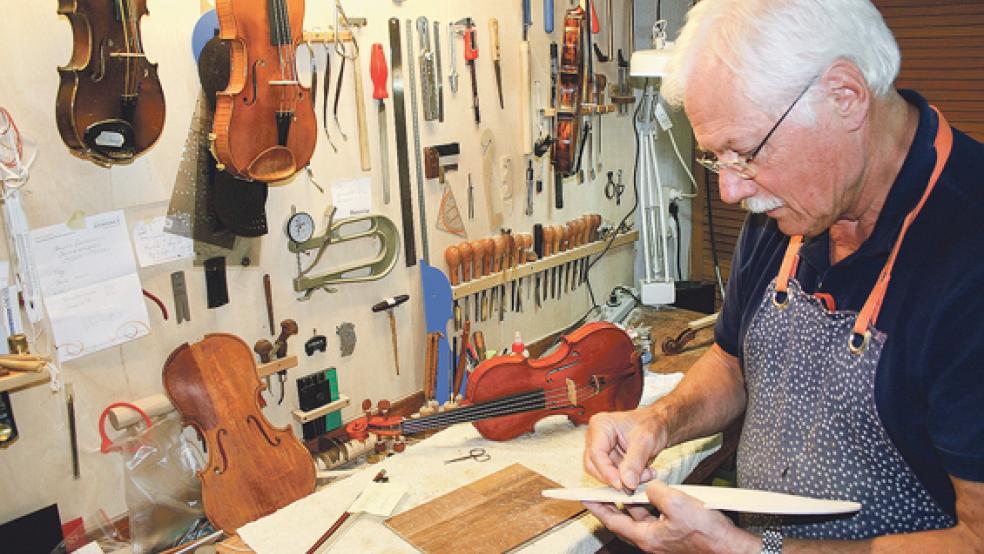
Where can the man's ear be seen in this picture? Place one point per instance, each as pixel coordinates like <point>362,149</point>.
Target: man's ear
<point>848,92</point>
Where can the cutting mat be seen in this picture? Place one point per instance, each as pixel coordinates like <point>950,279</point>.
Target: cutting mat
<point>494,514</point>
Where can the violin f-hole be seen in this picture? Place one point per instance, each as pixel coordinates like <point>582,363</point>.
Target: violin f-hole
<point>98,76</point>
<point>222,453</point>
<point>250,101</point>
<point>547,378</point>
<point>272,442</point>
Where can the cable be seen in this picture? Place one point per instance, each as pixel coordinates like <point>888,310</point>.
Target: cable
<point>674,213</point>
<point>710,225</point>
<point>627,290</point>
<point>685,167</point>
<point>635,201</point>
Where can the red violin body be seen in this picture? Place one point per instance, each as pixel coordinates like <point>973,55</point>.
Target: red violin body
<point>598,359</point>
<point>595,369</point>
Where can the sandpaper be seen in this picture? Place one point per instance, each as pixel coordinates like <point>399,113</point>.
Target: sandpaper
<point>494,514</point>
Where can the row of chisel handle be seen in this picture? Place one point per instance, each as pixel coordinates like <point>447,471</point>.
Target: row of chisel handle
<point>470,260</point>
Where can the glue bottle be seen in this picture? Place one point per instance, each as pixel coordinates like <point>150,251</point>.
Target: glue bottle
<point>518,347</point>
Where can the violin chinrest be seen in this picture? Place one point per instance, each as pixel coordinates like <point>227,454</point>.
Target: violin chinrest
<point>273,164</point>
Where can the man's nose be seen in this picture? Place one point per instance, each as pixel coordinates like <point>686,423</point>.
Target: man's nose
<point>733,188</point>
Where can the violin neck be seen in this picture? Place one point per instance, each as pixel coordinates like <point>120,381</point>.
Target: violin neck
<point>514,404</point>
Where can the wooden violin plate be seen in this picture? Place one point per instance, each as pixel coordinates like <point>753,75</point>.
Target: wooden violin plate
<point>253,467</point>
<point>494,514</point>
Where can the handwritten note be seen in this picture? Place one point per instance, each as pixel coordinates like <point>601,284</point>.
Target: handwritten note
<point>90,286</point>
<point>154,246</point>
<point>351,198</point>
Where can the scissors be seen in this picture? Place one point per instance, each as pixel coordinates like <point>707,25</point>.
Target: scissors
<point>477,454</point>
<point>614,190</point>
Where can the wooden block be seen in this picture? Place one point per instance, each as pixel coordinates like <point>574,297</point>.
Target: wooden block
<point>494,514</point>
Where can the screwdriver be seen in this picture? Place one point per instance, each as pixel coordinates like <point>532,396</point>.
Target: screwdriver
<point>378,69</point>
<point>471,54</point>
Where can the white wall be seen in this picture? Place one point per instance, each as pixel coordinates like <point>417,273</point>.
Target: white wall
<point>36,470</point>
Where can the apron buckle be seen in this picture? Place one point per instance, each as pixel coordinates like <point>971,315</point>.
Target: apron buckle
<point>858,343</point>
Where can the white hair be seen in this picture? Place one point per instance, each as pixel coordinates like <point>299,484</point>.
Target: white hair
<point>774,47</point>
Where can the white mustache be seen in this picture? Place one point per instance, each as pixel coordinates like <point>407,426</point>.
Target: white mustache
<point>761,204</point>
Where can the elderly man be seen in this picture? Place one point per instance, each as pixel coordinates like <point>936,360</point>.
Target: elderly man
<point>851,335</point>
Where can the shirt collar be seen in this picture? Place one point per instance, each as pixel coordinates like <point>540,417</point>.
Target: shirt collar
<point>908,187</point>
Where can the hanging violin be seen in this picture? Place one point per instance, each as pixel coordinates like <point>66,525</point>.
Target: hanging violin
<point>110,105</point>
<point>264,127</point>
<point>569,81</point>
<point>253,467</point>
<point>595,369</point>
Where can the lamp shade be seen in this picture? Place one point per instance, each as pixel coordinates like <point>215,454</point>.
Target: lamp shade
<point>650,63</point>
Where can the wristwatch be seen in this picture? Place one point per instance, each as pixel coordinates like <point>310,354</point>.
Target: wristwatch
<point>771,541</point>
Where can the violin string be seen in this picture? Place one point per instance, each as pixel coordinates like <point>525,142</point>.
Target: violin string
<point>278,30</point>
<point>125,22</point>
<point>506,406</point>
<point>453,417</point>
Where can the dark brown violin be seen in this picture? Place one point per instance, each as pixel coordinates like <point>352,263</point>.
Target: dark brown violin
<point>110,105</point>
<point>264,127</point>
<point>595,369</point>
<point>569,81</point>
<point>253,467</point>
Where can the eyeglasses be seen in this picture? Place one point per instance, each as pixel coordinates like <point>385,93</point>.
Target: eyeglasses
<point>743,166</point>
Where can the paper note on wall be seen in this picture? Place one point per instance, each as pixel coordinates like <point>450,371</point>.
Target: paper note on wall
<point>90,286</point>
<point>154,246</point>
<point>351,198</point>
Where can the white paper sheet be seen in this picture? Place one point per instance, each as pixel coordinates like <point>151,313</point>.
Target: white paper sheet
<point>90,286</point>
<point>154,246</point>
<point>351,198</point>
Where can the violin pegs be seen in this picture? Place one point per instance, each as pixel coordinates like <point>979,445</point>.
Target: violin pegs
<point>384,406</point>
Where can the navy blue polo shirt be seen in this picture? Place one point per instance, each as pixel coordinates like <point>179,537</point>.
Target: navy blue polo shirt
<point>929,388</point>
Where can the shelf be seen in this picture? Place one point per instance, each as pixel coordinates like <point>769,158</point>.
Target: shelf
<point>334,406</point>
<point>269,368</point>
<point>511,274</point>
<point>22,379</point>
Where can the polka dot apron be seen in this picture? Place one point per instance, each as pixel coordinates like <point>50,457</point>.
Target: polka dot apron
<point>811,426</point>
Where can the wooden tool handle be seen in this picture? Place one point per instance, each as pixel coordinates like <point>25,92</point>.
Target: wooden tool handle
<point>263,348</point>
<point>459,373</point>
<point>548,236</point>
<point>498,250</point>
<point>479,247</point>
<point>453,258</point>
<point>360,116</point>
<point>489,254</point>
<point>467,255</point>
<point>494,39</point>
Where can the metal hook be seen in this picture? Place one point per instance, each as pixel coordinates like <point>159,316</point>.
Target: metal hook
<point>341,20</point>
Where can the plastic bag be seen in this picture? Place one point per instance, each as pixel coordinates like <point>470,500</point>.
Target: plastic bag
<point>163,493</point>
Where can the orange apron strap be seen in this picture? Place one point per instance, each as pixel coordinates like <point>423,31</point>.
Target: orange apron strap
<point>788,266</point>
<point>943,145</point>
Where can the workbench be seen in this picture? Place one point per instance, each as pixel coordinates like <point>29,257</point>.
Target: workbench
<point>555,450</point>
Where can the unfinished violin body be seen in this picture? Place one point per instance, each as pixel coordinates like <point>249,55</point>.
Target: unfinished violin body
<point>264,127</point>
<point>253,467</point>
<point>110,104</point>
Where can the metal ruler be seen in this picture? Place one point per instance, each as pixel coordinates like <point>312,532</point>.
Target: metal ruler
<point>416,143</point>
<point>439,78</point>
<point>402,161</point>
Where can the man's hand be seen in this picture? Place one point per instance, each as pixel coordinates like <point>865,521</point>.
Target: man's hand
<point>619,447</point>
<point>684,525</point>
